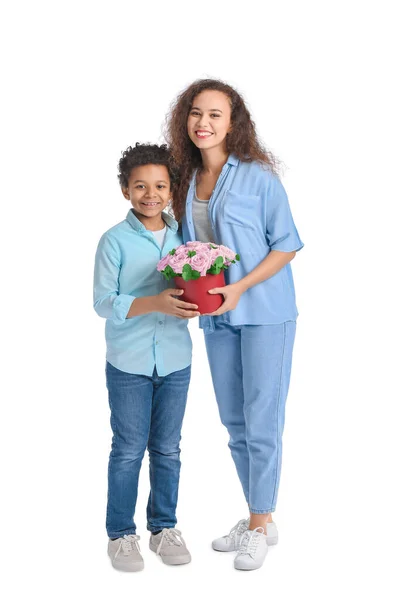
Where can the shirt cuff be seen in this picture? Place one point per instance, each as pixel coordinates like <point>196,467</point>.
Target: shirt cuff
<point>121,306</point>
<point>288,245</point>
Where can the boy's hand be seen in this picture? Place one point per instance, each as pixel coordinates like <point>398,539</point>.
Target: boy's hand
<point>169,305</point>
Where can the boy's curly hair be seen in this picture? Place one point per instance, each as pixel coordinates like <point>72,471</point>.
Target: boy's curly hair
<point>145,154</point>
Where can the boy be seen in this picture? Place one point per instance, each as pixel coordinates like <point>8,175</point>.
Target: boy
<point>148,359</point>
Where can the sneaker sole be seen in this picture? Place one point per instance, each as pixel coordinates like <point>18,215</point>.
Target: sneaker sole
<point>247,568</point>
<point>172,560</point>
<point>221,549</point>
<point>128,568</point>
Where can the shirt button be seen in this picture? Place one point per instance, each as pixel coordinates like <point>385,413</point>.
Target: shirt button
<point>160,322</point>
<point>156,343</point>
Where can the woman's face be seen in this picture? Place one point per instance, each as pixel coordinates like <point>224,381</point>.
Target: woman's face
<point>209,120</point>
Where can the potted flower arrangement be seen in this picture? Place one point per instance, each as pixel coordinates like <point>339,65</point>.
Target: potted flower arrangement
<point>196,268</point>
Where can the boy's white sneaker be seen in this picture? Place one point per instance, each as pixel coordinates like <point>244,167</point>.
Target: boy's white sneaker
<point>125,553</point>
<point>231,542</point>
<point>170,546</point>
<point>253,550</point>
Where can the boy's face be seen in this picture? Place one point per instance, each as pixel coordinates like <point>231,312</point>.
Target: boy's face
<point>149,191</point>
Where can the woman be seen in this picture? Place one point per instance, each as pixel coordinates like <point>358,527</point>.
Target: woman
<point>230,194</point>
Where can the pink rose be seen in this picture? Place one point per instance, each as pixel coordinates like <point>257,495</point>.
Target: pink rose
<point>201,262</point>
<point>181,250</point>
<point>227,253</point>
<point>177,262</point>
<point>197,246</point>
<point>214,253</point>
<point>164,262</point>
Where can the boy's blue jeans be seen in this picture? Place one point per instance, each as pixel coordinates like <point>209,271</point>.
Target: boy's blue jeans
<point>250,367</point>
<point>145,412</point>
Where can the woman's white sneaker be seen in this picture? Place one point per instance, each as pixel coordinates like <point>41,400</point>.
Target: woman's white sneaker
<point>231,542</point>
<point>125,553</point>
<point>252,551</point>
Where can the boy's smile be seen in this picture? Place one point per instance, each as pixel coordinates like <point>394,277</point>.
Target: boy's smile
<point>149,192</point>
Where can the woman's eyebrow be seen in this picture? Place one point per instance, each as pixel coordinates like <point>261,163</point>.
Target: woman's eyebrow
<point>210,109</point>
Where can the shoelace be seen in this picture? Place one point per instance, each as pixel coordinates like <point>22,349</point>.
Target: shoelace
<point>238,529</point>
<point>127,544</point>
<point>172,537</point>
<point>249,541</point>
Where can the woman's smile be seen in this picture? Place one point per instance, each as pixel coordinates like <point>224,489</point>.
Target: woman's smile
<point>202,133</point>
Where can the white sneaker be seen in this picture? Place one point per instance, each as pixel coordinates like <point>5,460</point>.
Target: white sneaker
<point>125,553</point>
<point>231,542</point>
<point>170,546</point>
<point>253,550</point>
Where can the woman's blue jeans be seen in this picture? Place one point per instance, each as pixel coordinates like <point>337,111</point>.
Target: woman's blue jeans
<point>145,412</point>
<point>250,367</point>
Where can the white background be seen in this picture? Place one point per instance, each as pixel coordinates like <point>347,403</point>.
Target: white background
<point>81,82</point>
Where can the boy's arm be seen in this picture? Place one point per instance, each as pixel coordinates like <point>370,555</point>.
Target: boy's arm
<point>107,301</point>
<point>166,303</point>
<point>110,304</point>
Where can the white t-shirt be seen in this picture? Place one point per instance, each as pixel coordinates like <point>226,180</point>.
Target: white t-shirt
<point>160,236</point>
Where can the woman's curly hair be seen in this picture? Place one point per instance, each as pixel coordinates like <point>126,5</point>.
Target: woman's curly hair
<point>241,141</point>
<point>145,154</point>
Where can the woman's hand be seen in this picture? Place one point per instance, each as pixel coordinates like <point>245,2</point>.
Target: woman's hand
<point>231,294</point>
<point>166,303</point>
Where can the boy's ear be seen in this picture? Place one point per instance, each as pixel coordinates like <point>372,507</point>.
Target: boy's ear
<point>125,193</point>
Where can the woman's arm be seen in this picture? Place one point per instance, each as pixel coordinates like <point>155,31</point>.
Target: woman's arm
<point>268,267</point>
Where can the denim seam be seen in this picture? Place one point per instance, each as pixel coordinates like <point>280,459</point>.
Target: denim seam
<point>119,535</point>
<point>266,511</point>
<point>277,414</point>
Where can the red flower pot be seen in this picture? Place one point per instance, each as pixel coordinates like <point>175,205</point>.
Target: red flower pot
<point>196,291</point>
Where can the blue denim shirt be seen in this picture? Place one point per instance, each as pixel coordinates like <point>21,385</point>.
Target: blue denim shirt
<point>249,212</point>
<point>125,268</point>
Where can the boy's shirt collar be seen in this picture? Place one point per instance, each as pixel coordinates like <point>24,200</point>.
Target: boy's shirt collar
<point>138,226</point>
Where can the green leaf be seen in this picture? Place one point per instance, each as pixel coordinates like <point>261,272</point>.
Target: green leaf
<point>188,273</point>
<point>172,252</point>
<point>237,257</point>
<point>214,270</point>
<point>191,253</point>
<point>168,273</point>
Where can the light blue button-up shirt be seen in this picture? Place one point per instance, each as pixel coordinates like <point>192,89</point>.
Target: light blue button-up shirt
<point>249,212</point>
<point>125,268</point>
